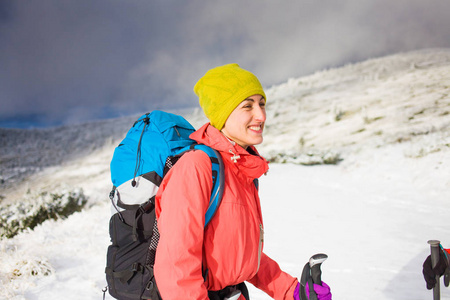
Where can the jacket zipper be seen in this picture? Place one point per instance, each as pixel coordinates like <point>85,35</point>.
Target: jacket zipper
<point>261,241</point>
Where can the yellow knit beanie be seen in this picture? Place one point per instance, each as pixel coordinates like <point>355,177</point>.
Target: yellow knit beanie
<point>221,90</point>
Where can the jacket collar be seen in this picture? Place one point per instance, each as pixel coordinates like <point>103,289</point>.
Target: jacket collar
<point>252,165</point>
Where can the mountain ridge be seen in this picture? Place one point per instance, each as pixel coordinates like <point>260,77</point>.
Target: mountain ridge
<point>397,99</point>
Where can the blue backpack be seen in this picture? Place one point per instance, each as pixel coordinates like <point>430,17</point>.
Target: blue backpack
<point>151,147</point>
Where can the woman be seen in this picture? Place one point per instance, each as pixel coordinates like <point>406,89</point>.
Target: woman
<point>193,262</point>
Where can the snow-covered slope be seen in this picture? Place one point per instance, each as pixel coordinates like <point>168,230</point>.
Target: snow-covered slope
<point>386,119</point>
<point>395,99</point>
<point>372,104</point>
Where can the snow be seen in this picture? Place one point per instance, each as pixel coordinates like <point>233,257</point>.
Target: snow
<point>372,214</point>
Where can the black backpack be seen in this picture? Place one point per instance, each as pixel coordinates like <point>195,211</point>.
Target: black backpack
<point>151,147</point>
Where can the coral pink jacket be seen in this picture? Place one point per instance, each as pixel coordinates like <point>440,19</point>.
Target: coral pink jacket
<point>230,247</point>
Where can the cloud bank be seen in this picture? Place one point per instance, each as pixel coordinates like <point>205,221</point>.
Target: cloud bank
<point>65,62</point>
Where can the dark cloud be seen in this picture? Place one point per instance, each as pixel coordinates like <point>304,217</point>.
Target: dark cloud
<point>70,61</point>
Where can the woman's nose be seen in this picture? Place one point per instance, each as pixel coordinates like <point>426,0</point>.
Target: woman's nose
<point>260,114</point>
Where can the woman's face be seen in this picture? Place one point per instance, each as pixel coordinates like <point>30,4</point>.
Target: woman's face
<point>246,123</point>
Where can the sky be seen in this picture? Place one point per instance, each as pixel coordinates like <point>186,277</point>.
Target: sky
<point>65,62</point>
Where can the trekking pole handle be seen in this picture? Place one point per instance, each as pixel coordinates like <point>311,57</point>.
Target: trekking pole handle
<point>434,247</point>
<point>315,262</point>
<point>316,274</point>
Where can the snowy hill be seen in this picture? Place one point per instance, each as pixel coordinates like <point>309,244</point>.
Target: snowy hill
<point>372,104</point>
<point>25,152</point>
<point>378,131</point>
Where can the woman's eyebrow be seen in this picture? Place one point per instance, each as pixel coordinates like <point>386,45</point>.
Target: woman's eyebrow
<point>252,100</point>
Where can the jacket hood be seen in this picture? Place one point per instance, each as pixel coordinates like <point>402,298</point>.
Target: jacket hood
<point>252,165</point>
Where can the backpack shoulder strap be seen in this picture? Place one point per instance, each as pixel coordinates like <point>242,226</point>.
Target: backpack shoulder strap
<point>218,180</point>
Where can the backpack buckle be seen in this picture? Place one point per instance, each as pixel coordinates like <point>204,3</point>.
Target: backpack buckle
<point>136,267</point>
<point>141,209</point>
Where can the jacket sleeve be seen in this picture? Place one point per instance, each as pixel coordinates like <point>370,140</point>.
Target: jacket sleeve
<point>272,280</point>
<point>181,204</point>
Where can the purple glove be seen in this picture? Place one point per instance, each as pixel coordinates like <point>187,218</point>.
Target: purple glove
<point>323,291</point>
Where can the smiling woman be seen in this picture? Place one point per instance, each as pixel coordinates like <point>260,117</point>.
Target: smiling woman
<point>213,262</point>
<point>246,123</point>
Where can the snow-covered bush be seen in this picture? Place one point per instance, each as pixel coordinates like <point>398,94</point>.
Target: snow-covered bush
<point>309,158</point>
<point>31,266</point>
<point>36,208</point>
<point>20,269</point>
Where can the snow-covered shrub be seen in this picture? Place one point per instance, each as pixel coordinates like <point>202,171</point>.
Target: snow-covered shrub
<point>36,208</point>
<point>27,267</point>
<point>20,270</point>
<point>309,158</point>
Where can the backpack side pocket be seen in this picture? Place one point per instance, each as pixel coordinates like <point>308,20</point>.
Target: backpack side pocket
<point>127,271</point>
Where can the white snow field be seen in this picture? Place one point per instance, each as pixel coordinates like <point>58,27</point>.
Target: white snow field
<point>387,122</point>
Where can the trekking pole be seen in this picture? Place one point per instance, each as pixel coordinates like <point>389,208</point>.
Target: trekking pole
<point>312,275</point>
<point>314,263</point>
<point>434,247</point>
